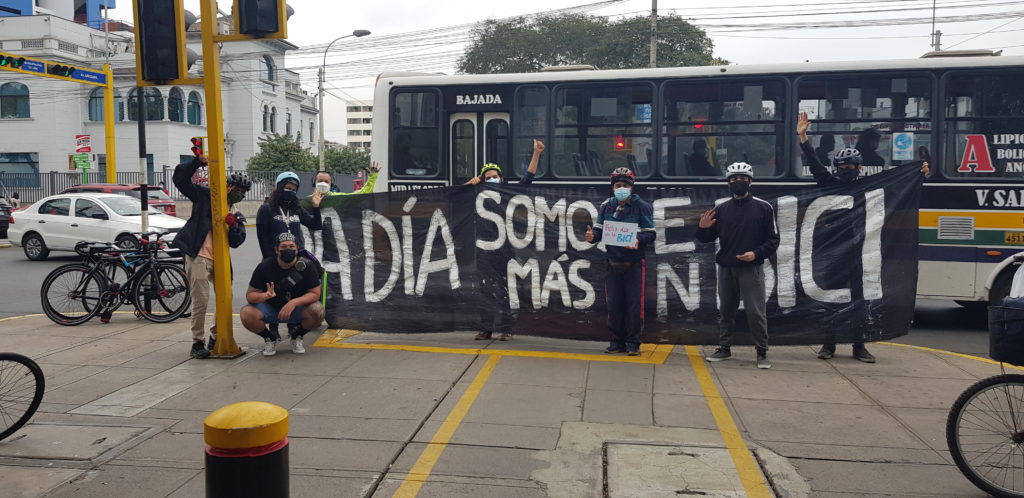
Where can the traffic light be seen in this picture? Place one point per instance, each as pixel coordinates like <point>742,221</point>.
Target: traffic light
<point>620,142</point>
<point>262,18</point>
<point>160,51</point>
<point>197,146</point>
<point>11,61</point>
<point>60,70</point>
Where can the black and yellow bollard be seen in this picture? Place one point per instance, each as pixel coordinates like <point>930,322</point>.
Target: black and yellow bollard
<point>247,451</point>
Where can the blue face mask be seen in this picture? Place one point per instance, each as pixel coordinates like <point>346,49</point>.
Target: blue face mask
<point>622,193</point>
<point>847,175</point>
<point>493,180</point>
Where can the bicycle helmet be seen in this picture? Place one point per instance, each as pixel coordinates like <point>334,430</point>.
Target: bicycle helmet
<point>740,168</point>
<point>847,156</point>
<point>489,166</point>
<point>240,180</point>
<point>287,176</point>
<point>623,174</point>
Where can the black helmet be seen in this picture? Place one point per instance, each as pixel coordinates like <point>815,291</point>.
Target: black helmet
<point>240,179</point>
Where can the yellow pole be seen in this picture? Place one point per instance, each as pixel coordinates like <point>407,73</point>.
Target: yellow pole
<point>108,125</point>
<point>226,346</point>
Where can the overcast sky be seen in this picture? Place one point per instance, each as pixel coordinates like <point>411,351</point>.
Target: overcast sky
<point>753,36</point>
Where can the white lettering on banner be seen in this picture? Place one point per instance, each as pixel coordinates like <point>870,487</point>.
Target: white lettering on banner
<point>497,219</point>
<point>1009,153</point>
<point>517,271</point>
<point>343,266</point>
<point>662,224</point>
<point>477,99</point>
<point>785,255</point>
<point>581,284</point>
<point>871,252</point>
<point>555,281</point>
<point>817,208</point>
<point>427,266</point>
<point>1008,139</point>
<point>689,295</point>
<point>555,214</point>
<point>531,221</point>
<point>570,213</point>
<point>407,252</point>
<point>371,218</point>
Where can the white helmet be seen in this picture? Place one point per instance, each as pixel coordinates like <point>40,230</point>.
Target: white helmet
<point>740,169</point>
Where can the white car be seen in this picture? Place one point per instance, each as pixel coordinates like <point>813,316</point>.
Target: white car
<point>58,222</point>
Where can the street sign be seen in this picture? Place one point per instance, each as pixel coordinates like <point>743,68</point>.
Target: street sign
<point>83,143</point>
<point>89,76</point>
<point>34,66</point>
<point>82,161</point>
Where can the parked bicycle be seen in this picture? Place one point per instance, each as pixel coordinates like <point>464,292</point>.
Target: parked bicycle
<point>109,276</point>
<point>985,427</point>
<point>21,390</point>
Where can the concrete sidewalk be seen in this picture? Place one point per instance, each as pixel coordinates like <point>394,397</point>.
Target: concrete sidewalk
<point>443,415</point>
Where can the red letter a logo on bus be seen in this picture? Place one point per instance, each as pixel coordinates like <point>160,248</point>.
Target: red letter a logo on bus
<point>976,156</point>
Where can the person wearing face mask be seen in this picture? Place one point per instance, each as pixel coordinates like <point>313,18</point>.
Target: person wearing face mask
<point>323,181</point>
<point>745,228</point>
<point>195,240</point>
<point>282,213</point>
<point>626,267</point>
<point>491,173</point>
<point>284,288</point>
<point>845,270</point>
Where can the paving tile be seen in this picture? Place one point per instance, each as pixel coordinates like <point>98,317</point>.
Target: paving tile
<point>98,385</point>
<point>618,407</point>
<point>408,365</point>
<point>540,372</point>
<point>374,398</point>
<point>789,386</point>
<point>912,392</point>
<point>683,411</point>
<point>313,453</point>
<point>676,379</point>
<point>474,461</point>
<point>31,482</point>
<point>484,434</point>
<point>893,361</point>
<point>536,406</point>
<point>620,377</point>
<point>224,389</point>
<point>126,482</point>
<point>870,479</point>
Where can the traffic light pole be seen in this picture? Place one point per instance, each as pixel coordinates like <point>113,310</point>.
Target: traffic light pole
<point>108,125</point>
<point>226,347</point>
<point>140,112</point>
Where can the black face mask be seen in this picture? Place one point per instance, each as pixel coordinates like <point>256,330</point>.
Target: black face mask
<point>287,255</point>
<point>739,188</point>
<point>234,197</point>
<point>289,196</point>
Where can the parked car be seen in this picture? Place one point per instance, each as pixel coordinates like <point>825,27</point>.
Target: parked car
<point>157,197</point>
<point>58,222</point>
<point>5,217</point>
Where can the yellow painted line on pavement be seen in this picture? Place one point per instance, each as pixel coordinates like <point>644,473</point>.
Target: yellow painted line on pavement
<point>951,353</point>
<point>748,469</point>
<point>432,453</point>
<point>19,317</point>
<point>649,353</point>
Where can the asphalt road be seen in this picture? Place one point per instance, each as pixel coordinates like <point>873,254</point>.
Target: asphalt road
<point>937,324</point>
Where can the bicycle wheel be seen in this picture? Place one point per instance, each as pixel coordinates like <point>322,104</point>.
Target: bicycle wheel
<point>985,434</point>
<point>161,293</point>
<point>72,294</point>
<point>21,391</point>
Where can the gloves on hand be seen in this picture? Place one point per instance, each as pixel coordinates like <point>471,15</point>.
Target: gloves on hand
<point>232,219</point>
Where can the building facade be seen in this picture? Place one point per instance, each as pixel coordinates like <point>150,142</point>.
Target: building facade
<point>40,117</point>
<point>359,122</point>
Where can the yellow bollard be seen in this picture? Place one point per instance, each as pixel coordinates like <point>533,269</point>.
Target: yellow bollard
<point>247,451</point>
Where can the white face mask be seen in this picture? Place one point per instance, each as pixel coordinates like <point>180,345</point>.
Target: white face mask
<point>323,186</point>
<point>493,180</point>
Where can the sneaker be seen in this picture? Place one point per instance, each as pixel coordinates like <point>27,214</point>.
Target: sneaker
<point>482,336</point>
<point>505,337</point>
<point>762,361</point>
<point>212,342</point>
<point>269,348</point>
<point>615,348</point>
<point>297,346</point>
<point>198,351</point>
<point>632,351</point>
<point>827,351</point>
<point>719,355</point>
<point>861,353</point>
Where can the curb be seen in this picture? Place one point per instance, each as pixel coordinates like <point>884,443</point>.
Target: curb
<point>5,244</point>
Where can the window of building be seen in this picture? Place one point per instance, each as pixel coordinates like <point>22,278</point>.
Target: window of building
<point>416,135</point>
<point>984,116</point>
<point>176,105</point>
<point>266,118</point>
<point>20,169</point>
<point>708,126</point>
<point>268,68</point>
<point>195,108</point>
<point>96,105</point>
<point>352,108</point>
<point>273,119</point>
<point>353,120</point>
<point>885,118</point>
<point>298,134</point>
<point>288,123</point>
<point>600,128</point>
<point>312,132</point>
<point>14,101</point>
<point>154,104</point>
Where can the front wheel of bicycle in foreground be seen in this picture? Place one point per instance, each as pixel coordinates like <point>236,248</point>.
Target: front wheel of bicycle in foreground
<point>21,391</point>
<point>985,434</point>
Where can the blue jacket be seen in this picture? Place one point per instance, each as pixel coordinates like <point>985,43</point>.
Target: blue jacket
<point>636,210</point>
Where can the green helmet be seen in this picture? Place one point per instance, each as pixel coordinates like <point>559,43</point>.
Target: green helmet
<point>489,166</point>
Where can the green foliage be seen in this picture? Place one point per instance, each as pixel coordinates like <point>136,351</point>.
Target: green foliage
<point>282,153</point>
<point>527,45</point>
<point>346,159</point>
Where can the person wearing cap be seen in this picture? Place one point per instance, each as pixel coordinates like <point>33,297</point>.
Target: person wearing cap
<point>195,241</point>
<point>495,313</point>
<point>845,269</point>
<point>323,181</point>
<point>284,288</point>
<point>282,213</point>
<point>745,227</point>
<point>625,270</point>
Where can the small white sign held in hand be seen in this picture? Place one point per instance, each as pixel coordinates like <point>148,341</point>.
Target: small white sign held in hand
<point>617,233</point>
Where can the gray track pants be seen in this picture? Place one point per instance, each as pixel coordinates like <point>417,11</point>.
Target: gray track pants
<point>747,283</point>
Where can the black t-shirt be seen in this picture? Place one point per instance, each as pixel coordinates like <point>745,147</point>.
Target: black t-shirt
<point>269,271</point>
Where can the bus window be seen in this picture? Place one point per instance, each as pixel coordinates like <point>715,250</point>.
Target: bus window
<point>464,149</point>
<point>984,126</point>
<point>415,138</point>
<point>530,121</point>
<point>600,128</point>
<point>496,150</point>
<point>708,126</point>
<point>886,119</point>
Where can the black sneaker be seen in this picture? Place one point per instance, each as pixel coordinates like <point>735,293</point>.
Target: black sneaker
<point>861,353</point>
<point>719,355</point>
<point>827,351</point>
<point>632,351</point>
<point>211,342</point>
<point>615,348</point>
<point>198,351</point>
<point>762,361</point>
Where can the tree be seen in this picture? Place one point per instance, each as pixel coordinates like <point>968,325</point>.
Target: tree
<point>526,45</point>
<point>346,159</point>
<point>282,153</point>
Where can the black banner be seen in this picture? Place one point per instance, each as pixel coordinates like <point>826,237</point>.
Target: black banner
<point>452,258</point>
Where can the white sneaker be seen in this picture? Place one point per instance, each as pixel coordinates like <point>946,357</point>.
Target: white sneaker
<point>297,347</point>
<point>269,348</point>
